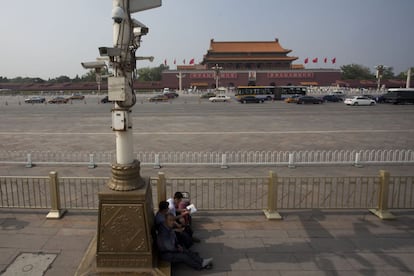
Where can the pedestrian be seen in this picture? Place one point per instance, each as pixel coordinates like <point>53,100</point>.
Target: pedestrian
<point>171,251</point>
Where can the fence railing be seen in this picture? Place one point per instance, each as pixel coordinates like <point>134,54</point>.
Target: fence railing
<point>222,159</point>
<point>270,193</point>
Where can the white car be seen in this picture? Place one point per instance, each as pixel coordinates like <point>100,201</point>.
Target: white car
<point>219,98</point>
<point>359,100</point>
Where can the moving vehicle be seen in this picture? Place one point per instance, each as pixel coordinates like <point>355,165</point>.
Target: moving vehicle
<point>171,95</point>
<point>399,96</point>
<point>283,92</point>
<point>292,99</point>
<point>332,98</point>
<point>208,95</point>
<point>359,100</point>
<point>219,98</point>
<point>251,99</point>
<point>58,100</point>
<point>309,100</point>
<point>261,92</point>
<point>77,96</point>
<point>158,98</point>
<point>35,99</point>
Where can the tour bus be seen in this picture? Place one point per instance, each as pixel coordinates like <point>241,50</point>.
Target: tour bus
<point>399,95</point>
<point>260,92</point>
<point>282,92</point>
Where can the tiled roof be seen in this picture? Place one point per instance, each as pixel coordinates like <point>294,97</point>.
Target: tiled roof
<point>246,47</point>
<point>244,58</point>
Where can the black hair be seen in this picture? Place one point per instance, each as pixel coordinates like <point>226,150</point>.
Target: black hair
<point>163,205</point>
<point>178,195</point>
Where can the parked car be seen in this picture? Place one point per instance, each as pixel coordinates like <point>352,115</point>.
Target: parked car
<point>309,100</point>
<point>251,99</point>
<point>332,98</point>
<point>292,99</point>
<point>58,100</point>
<point>106,100</point>
<point>158,98</point>
<point>77,96</point>
<point>35,99</point>
<point>359,100</point>
<point>219,98</point>
<point>208,95</point>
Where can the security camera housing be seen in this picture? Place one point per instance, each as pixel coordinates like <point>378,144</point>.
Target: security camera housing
<point>118,14</point>
<point>108,51</point>
<point>93,64</point>
<point>140,31</point>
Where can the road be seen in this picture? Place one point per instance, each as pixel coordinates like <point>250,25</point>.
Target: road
<point>188,124</point>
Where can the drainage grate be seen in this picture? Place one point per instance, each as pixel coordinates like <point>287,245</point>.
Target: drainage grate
<point>33,264</point>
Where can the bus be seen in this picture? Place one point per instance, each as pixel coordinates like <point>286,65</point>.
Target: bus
<point>282,92</point>
<point>260,92</point>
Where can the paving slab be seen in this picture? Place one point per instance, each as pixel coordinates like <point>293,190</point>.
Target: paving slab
<point>245,243</point>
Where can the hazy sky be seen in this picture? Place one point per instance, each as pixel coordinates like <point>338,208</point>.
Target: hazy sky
<point>49,38</point>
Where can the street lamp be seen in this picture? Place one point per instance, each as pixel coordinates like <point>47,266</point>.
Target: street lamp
<point>379,74</point>
<point>217,70</point>
<point>125,206</point>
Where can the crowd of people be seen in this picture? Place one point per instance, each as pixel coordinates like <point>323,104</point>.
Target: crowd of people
<point>174,236</point>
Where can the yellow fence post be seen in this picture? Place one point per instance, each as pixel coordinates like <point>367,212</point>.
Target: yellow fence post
<point>56,212</point>
<point>161,187</point>
<point>382,207</point>
<point>271,211</point>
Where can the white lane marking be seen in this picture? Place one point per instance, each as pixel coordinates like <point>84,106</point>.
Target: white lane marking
<point>51,133</point>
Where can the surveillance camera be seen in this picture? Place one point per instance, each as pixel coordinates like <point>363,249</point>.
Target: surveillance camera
<point>94,65</point>
<point>138,31</point>
<point>118,14</point>
<point>111,52</point>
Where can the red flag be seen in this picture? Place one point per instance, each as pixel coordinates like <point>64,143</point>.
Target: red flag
<point>165,62</point>
<point>315,60</point>
<point>306,60</point>
<point>175,61</point>
<point>191,61</point>
<point>333,60</point>
<point>183,61</point>
<point>325,60</point>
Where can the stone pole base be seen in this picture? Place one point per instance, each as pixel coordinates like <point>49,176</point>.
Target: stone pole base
<point>124,242</point>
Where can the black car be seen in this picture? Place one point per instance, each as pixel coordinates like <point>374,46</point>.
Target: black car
<point>171,95</point>
<point>332,98</point>
<point>309,100</point>
<point>250,99</point>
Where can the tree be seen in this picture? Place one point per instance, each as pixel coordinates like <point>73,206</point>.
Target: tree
<point>388,73</point>
<point>403,75</point>
<point>61,79</point>
<point>151,74</point>
<point>356,72</point>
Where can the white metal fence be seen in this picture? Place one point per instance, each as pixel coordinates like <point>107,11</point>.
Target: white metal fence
<point>222,159</point>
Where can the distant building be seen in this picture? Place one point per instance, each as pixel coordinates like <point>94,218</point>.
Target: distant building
<point>248,62</point>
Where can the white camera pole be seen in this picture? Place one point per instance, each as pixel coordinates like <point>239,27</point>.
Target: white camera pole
<point>121,121</point>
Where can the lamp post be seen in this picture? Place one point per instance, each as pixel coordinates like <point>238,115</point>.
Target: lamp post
<point>217,70</point>
<point>379,73</point>
<point>125,218</point>
<point>180,77</point>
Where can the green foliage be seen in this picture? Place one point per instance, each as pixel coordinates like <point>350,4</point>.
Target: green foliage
<point>151,74</point>
<point>356,72</point>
